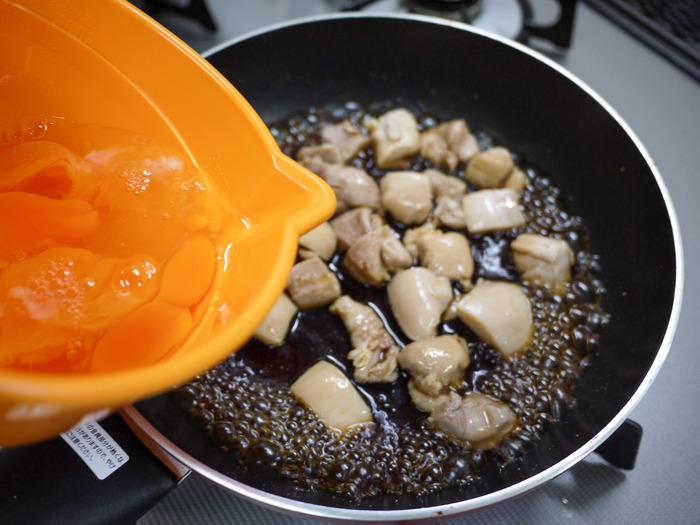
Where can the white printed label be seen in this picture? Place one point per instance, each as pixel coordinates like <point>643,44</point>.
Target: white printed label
<point>96,448</point>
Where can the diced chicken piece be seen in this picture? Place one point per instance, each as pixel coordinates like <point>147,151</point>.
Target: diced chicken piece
<point>353,224</point>
<point>311,284</point>
<point>460,139</point>
<point>418,298</point>
<point>516,181</point>
<point>275,326</point>
<point>445,254</point>
<point>490,168</point>
<point>353,187</point>
<point>434,147</point>
<point>448,191</point>
<point>346,137</point>
<point>475,418</point>
<point>362,323</point>
<point>375,256</point>
<point>435,363</point>
<point>372,366</point>
<point>412,236</point>
<point>423,401</point>
<point>446,185</point>
<point>320,241</point>
<point>449,212</point>
<point>394,255</point>
<point>540,258</point>
<point>319,158</point>
<point>395,137</point>
<point>492,210</point>
<point>499,313</point>
<point>449,143</point>
<point>450,313</point>
<point>326,390</point>
<point>374,352</point>
<point>407,196</point>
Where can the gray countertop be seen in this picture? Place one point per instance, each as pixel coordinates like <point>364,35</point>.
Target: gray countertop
<point>662,105</point>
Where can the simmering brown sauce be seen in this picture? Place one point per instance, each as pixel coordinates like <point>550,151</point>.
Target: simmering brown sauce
<point>246,407</point>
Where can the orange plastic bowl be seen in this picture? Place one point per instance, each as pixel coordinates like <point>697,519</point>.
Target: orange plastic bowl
<point>107,63</point>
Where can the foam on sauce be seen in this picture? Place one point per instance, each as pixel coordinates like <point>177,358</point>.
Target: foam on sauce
<point>109,244</point>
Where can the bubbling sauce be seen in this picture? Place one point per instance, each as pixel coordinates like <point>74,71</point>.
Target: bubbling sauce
<point>109,243</point>
<point>246,408</point>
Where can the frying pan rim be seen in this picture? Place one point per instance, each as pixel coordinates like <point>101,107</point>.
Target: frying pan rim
<point>290,506</point>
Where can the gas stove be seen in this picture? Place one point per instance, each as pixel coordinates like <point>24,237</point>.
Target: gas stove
<point>203,23</point>
<point>661,103</point>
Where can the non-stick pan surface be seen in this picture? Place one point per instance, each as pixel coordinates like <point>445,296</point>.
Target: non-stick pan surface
<point>555,123</point>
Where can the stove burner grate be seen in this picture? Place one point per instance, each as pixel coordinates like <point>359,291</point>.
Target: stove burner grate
<point>558,33</point>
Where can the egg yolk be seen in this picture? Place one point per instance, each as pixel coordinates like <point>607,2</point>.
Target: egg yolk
<point>107,247</point>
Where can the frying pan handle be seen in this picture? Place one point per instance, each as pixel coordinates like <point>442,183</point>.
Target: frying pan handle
<point>621,448</point>
<point>49,483</point>
<point>558,33</point>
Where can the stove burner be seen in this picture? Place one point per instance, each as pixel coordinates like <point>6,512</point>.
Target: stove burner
<point>464,10</point>
<point>196,10</point>
<point>558,32</point>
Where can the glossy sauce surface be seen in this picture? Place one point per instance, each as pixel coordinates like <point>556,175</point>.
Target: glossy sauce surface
<point>246,408</point>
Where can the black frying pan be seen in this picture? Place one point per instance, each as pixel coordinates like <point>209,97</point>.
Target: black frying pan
<point>553,121</point>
